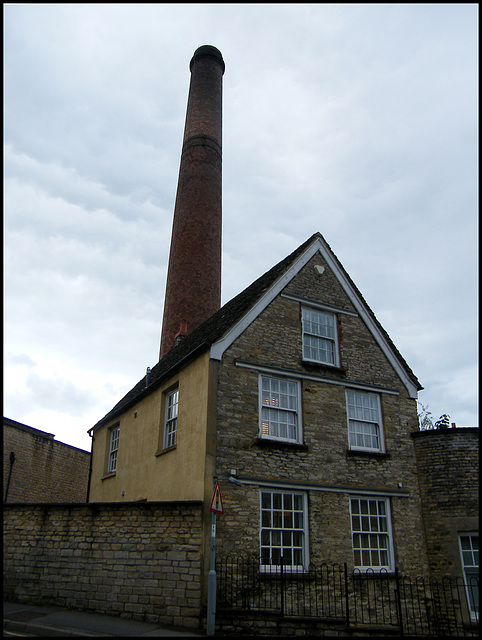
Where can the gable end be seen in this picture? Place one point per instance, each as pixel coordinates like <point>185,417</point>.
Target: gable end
<point>319,245</point>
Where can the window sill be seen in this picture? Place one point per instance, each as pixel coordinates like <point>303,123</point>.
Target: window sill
<point>163,451</point>
<point>279,444</point>
<point>312,365</point>
<point>267,572</point>
<point>368,454</point>
<point>109,475</point>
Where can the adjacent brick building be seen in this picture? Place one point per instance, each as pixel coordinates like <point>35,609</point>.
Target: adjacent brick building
<point>38,468</point>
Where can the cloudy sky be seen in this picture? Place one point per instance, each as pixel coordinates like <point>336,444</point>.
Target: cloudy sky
<point>358,121</point>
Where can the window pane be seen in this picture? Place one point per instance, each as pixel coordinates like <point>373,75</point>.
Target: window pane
<point>279,400</point>
<point>287,537</point>
<point>277,519</point>
<point>318,335</point>
<point>370,540</point>
<point>266,519</point>
<point>363,420</point>
<point>282,527</point>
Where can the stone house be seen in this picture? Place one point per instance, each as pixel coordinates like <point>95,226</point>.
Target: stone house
<point>295,399</point>
<point>292,396</point>
<point>37,468</point>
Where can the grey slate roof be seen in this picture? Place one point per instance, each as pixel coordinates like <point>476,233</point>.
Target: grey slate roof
<point>217,325</point>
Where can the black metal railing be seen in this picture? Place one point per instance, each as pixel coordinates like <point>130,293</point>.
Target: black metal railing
<point>409,606</point>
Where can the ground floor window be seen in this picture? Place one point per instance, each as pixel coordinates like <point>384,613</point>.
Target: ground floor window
<point>469,550</point>
<point>283,528</point>
<point>371,533</point>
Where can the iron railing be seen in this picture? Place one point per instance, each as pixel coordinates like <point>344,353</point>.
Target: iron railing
<point>409,606</point>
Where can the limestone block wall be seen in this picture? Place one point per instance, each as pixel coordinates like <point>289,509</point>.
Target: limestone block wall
<point>136,560</point>
<point>44,469</point>
<point>448,464</point>
<point>271,343</point>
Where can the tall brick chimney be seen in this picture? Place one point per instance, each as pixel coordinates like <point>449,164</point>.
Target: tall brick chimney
<point>193,287</point>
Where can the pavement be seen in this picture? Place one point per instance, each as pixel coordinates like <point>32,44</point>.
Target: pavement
<point>32,620</point>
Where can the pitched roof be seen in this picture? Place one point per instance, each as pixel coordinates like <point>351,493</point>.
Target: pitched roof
<point>230,315</point>
<point>205,335</point>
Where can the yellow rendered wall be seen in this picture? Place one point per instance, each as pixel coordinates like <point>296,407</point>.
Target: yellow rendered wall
<point>144,471</point>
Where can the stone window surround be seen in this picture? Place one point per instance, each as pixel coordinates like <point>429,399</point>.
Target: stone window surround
<point>304,529</point>
<point>114,434</point>
<point>170,434</point>
<point>373,532</point>
<point>379,424</point>
<point>297,412</point>
<point>332,340</point>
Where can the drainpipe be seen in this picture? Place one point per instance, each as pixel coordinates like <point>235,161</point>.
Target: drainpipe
<point>91,434</point>
<point>12,460</point>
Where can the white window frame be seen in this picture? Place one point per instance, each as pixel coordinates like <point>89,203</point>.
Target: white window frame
<point>113,450</point>
<point>470,565</point>
<point>320,336</point>
<point>362,425</point>
<point>272,400</point>
<point>371,533</point>
<point>171,412</point>
<point>283,529</point>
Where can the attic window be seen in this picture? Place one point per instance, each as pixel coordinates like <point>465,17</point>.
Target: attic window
<point>319,336</point>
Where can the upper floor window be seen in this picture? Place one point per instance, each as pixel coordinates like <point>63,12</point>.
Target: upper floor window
<point>371,533</point>
<point>170,420</point>
<point>319,336</point>
<point>113,448</point>
<point>364,424</point>
<point>279,402</point>
<point>283,528</point>
<point>469,551</point>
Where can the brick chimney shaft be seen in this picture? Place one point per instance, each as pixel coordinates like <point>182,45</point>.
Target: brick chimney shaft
<point>193,287</point>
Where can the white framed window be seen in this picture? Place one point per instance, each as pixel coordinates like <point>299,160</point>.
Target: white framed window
<point>170,418</point>
<point>371,533</point>
<point>320,343</point>
<point>364,421</point>
<point>283,529</point>
<point>113,448</point>
<point>280,417</point>
<point>469,552</point>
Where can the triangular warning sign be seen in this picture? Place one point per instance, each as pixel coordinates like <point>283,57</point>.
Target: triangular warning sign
<point>216,502</point>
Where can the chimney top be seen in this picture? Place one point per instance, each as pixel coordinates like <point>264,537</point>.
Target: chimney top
<point>207,50</point>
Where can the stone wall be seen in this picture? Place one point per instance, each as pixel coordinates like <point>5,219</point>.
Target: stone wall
<point>323,457</point>
<point>448,464</point>
<point>44,470</point>
<point>137,560</point>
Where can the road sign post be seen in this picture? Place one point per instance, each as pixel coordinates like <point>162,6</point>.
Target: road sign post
<point>215,508</point>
